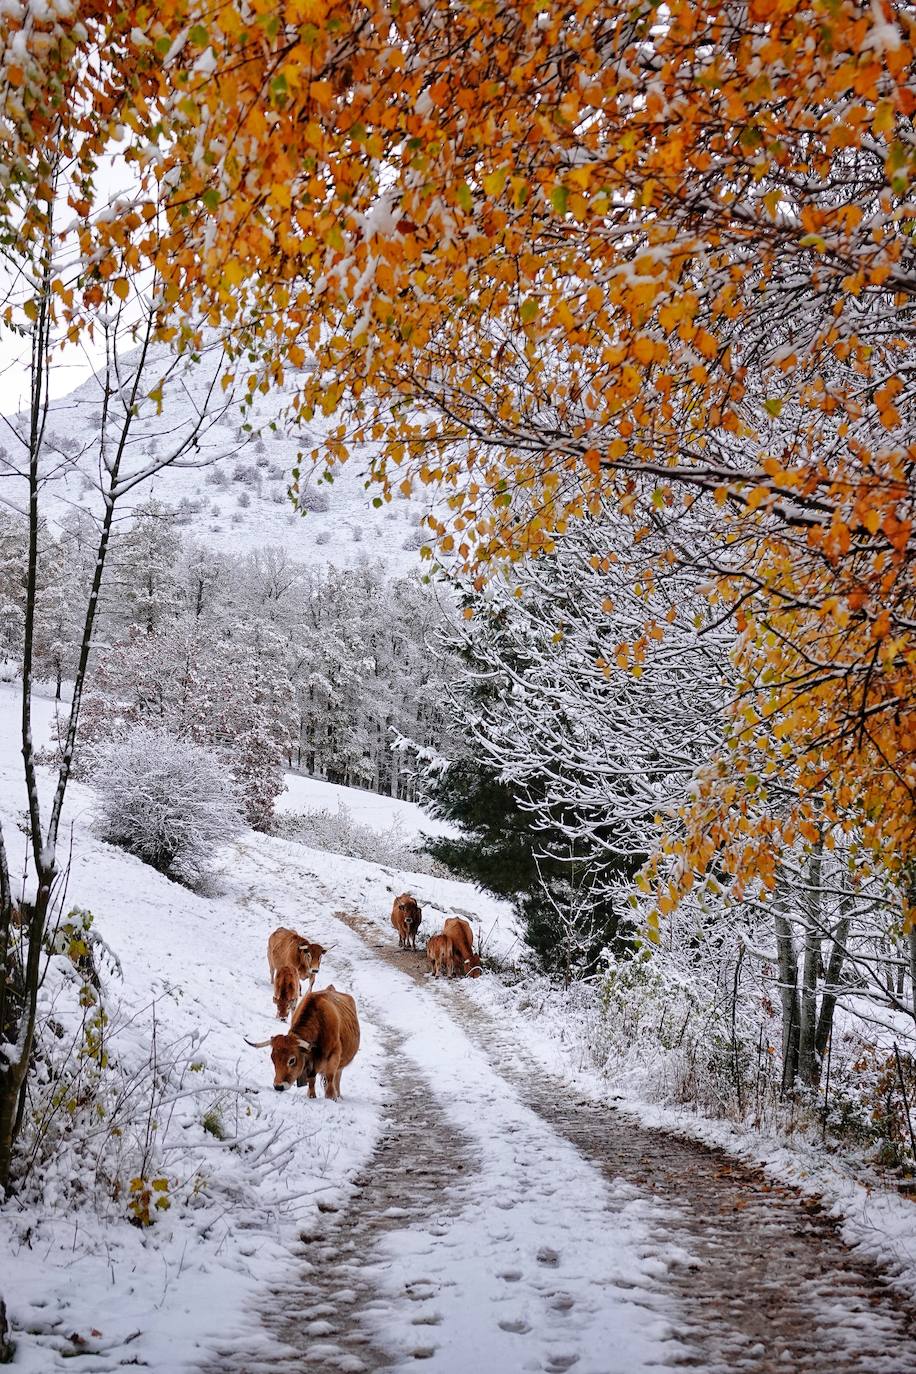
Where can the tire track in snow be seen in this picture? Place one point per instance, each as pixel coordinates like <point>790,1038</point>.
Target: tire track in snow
<point>477,1238</point>
<point>772,1287</point>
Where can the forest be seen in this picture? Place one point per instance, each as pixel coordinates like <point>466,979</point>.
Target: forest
<point>616,298</point>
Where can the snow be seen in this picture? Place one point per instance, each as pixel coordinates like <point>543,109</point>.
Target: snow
<point>307,795</point>
<point>350,529</point>
<point>184,1291</point>
<point>872,1217</point>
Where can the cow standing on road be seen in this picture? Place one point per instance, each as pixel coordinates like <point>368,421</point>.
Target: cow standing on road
<point>440,955</point>
<point>323,1038</point>
<point>406,916</point>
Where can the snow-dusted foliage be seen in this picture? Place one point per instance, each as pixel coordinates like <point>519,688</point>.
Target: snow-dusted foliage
<point>167,800</point>
<point>268,659</point>
<point>197,684</point>
<point>593,704</point>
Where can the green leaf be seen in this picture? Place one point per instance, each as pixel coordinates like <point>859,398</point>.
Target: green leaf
<point>773,407</point>
<point>199,36</point>
<point>559,197</point>
<point>464,197</point>
<point>529,310</point>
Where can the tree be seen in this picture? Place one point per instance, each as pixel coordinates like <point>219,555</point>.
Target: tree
<point>187,678</point>
<point>129,386</point>
<point>539,255</point>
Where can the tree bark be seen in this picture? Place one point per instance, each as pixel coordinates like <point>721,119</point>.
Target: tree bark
<point>831,983</point>
<point>809,1064</point>
<point>788,991</point>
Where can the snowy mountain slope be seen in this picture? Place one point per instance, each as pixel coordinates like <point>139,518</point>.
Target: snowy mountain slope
<point>236,499</point>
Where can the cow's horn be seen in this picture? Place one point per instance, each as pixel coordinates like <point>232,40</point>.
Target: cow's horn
<point>303,1044</point>
<point>255,1044</point>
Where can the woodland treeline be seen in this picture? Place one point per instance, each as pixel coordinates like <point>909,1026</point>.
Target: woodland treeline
<point>278,663</point>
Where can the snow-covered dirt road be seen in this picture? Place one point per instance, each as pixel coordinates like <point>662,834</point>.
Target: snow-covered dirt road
<point>502,1225</point>
<point>461,1207</point>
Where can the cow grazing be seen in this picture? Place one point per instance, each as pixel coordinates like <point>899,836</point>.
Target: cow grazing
<point>462,940</point>
<point>287,948</point>
<point>439,954</point>
<point>323,1038</point>
<point>406,916</point>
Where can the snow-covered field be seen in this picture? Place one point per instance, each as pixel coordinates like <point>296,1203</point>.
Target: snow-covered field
<point>234,495</point>
<point>82,1280</point>
<point>307,795</point>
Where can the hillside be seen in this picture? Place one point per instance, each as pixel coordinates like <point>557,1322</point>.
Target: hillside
<point>235,497</point>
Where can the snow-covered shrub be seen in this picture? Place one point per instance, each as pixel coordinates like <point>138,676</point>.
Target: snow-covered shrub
<point>323,537</point>
<point>243,499</point>
<point>414,540</point>
<point>167,800</point>
<point>314,498</point>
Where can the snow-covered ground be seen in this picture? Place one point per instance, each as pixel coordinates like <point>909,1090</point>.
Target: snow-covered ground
<point>306,795</point>
<point>235,497</point>
<point>172,1296</point>
<point>873,1217</point>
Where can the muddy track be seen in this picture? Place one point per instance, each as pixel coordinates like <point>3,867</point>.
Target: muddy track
<point>327,1317</point>
<point>773,1288</point>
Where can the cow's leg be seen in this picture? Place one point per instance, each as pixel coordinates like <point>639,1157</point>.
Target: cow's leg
<point>312,1092</point>
<point>330,1078</point>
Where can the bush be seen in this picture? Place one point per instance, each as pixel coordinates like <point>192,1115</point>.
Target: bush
<point>314,498</point>
<point>165,799</point>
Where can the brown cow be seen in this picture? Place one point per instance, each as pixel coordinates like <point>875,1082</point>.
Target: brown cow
<point>406,916</point>
<point>286,989</point>
<point>287,948</point>
<point>439,953</point>
<point>323,1039</point>
<point>462,938</point>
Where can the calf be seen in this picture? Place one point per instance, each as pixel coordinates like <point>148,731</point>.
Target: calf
<point>286,989</point>
<point>462,940</point>
<point>406,915</point>
<point>287,948</point>
<point>439,954</point>
<point>323,1038</point>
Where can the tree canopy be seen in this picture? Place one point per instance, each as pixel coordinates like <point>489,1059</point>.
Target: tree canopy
<point>543,254</point>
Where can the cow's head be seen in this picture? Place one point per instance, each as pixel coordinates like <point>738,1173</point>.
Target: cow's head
<point>413,913</point>
<point>293,1059</point>
<point>286,990</point>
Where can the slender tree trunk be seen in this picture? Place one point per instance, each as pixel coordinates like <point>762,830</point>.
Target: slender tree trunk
<point>831,984</point>
<point>788,991</point>
<point>809,1064</point>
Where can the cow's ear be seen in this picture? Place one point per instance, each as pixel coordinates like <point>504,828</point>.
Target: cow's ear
<point>303,1044</point>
